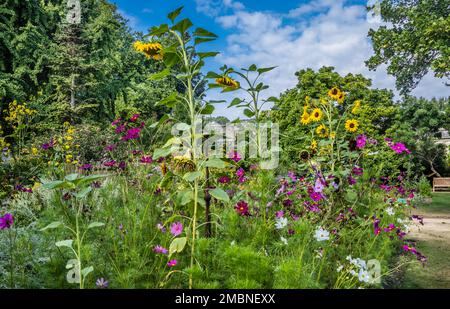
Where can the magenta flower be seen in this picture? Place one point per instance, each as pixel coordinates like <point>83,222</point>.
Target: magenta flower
<point>240,172</point>
<point>292,176</point>
<point>351,180</point>
<point>319,185</point>
<point>116,122</point>
<point>161,227</point>
<point>134,117</point>
<point>399,148</point>
<point>160,249</point>
<point>172,263</point>
<point>235,156</point>
<point>23,189</point>
<point>315,196</point>
<point>176,228</point>
<point>109,163</point>
<point>146,160</point>
<point>110,147</point>
<point>279,214</point>
<point>122,165</point>
<point>132,133</point>
<point>48,145</point>
<point>376,226</point>
<point>6,221</point>
<point>361,141</point>
<point>242,179</point>
<point>224,179</point>
<point>86,167</point>
<point>390,228</point>
<point>120,129</point>
<point>358,171</point>
<point>242,208</point>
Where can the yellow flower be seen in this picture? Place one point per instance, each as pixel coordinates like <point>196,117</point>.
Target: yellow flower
<point>356,107</point>
<point>307,99</point>
<point>305,119</point>
<point>151,50</point>
<point>316,115</point>
<point>67,146</point>
<point>34,151</point>
<point>333,135</point>
<point>322,131</point>
<point>313,144</point>
<point>70,131</point>
<point>351,125</point>
<point>334,93</point>
<point>66,124</point>
<point>228,82</point>
<point>68,138</point>
<point>341,98</point>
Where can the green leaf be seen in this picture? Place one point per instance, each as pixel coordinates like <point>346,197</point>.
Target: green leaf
<point>202,40</point>
<point>217,101</point>
<point>169,101</point>
<point>205,33</point>
<point>208,54</point>
<point>174,14</point>
<point>170,59</point>
<point>53,225</point>
<point>160,75</point>
<point>183,25</point>
<point>161,152</point>
<point>208,109</point>
<point>83,193</point>
<point>264,70</point>
<point>64,243</point>
<point>211,74</point>
<point>248,113</point>
<point>177,245</point>
<point>220,194</point>
<point>54,184</point>
<point>86,271</point>
<point>186,197</point>
<point>158,31</point>
<point>160,121</point>
<point>191,176</point>
<point>71,177</point>
<point>252,68</point>
<point>236,101</point>
<point>95,224</point>
<point>215,163</point>
<point>273,99</point>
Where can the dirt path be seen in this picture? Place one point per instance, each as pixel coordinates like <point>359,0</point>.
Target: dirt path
<point>433,240</point>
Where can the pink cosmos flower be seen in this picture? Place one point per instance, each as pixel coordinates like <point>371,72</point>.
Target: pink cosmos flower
<point>146,160</point>
<point>172,263</point>
<point>160,249</point>
<point>176,228</point>
<point>361,141</point>
<point>315,196</point>
<point>120,129</point>
<point>234,155</point>
<point>6,221</point>
<point>132,133</point>
<point>111,147</point>
<point>279,214</point>
<point>242,208</point>
<point>224,179</point>
<point>240,172</point>
<point>110,163</point>
<point>134,117</point>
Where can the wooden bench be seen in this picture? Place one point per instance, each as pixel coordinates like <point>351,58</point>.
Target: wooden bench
<point>441,183</point>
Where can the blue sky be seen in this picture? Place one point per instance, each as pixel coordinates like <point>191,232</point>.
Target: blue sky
<point>289,34</point>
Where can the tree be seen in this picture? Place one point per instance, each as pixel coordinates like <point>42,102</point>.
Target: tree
<point>376,114</point>
<point>417,40</point>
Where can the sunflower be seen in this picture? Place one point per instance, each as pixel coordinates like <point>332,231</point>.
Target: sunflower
<point>151,50</point>
<point>316,115</point>
<point>334,93</point>
<point>226,81</point>
<point>351,125</point>
<point>313,145</point>
<point>306,118</point>
<point>322,131</point>
<point>356,107</point>
<point>183,164</point>
<point>341,98</point>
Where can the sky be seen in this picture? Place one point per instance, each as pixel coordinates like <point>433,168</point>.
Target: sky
<point>288,34</point>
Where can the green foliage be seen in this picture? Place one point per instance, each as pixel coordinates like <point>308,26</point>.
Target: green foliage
<point>416,41</point>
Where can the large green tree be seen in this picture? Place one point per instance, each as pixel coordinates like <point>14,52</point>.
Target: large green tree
<point>415,41</point>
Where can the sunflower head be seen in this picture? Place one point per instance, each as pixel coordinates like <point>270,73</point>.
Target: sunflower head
<point>183,164</point>
<point>305,118</point>
<point>304,155</point>
<point>316,115</point>
<point>313,145</point>
<point>341,98</point>
<point>351,125</point>
<point>322,131</point>
<point>334,93</point>
<point>226,81</point>
<point>151,50</point>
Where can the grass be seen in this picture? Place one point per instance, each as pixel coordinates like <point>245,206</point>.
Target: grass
<point>436,273</point>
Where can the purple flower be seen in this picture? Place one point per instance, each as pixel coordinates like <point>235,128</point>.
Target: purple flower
<point>86,167</point>
<point>101,283</point>
<point>120,129</point>
<point>122,165</point>
<point>319,185</point>
<point>279,214</point>
<point>240,172</point>
<point>376,226</point>
<point>176,228</point>
<point>315,196</point>
<point>161,227</point>
<point>390,228</point>
<point>134,117</point>
<point>110,163</point>
<point>242,179</point>
<point>160,249</point>
<point>146,160</point>
<point>116,122</point>
<point>287,203</point>
<point>6,221</point>
<point>224,179</point>
<point>292,176</point>
<point>234,155</point>
<point>242,208</point>
<point>399,148</point>
<point>49,145</point>
<point>172,263</point>
<point>351,180</point>
<point>358,171</point>
<point>361,141</point>
<point>132,133</point>
<point>111,147</point>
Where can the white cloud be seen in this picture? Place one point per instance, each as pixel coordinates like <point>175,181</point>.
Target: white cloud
<point>333,34</point>
<point>213,8</point>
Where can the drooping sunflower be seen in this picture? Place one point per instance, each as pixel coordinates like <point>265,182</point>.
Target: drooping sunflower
<point>316,115</point>
<point>334,93</point>
<point>351,125</point>
<point>227,81</point>
<point>356,107</point>
<point>322,131</point>
<point>183,164</point>
<point>151,50</point>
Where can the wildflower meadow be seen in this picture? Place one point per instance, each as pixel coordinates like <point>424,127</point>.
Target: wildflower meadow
<point>120,172</point>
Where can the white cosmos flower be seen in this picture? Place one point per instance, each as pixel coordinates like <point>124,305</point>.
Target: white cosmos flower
<point>281,223</point>
<point>363,276</point>
<point>322,234</point>
<point>390,211</point>
<point>339,269</point>
<point>283,240</point>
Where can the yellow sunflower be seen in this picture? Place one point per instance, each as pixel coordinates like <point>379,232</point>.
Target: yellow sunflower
<point>313,144</point>
<point>322,131</point>
<point>351,125</point>
<point>228,82</point>
<point>316,115</point>
<point>341,98</point>
<point>151,50</point>
<point>356,107</point>
<point>305,119</point>
<point>334,93</point>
